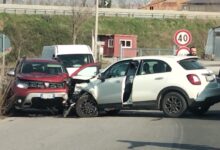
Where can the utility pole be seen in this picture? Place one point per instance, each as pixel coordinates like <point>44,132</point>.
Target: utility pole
<point>96,29</point>
<point>3,55</point>
<point>121,50</point>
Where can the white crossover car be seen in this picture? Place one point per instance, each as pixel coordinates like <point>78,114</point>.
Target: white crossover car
<point>172,84</point>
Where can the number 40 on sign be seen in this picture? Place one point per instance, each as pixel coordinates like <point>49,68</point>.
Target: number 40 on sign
<point>182,37</point>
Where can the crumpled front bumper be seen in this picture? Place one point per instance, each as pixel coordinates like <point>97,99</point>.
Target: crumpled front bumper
<point>35,100</point>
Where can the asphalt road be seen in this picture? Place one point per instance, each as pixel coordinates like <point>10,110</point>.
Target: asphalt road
<point>138,130</point>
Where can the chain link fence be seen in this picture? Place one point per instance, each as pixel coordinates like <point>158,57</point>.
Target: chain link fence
<point>155,51</point>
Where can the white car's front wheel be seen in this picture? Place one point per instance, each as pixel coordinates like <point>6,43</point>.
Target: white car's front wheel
<point>86,106</point>
<point>174,104</point>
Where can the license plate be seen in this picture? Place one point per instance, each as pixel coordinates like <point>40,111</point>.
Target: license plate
<point>210,78</point>
<point>47,96</point>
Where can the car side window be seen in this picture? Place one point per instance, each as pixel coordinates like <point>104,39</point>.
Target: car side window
<point>153,66</point>
<point>117,70</point>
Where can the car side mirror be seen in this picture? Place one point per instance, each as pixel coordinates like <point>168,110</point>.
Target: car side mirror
<point>11,73</point>
<point>101,77</point>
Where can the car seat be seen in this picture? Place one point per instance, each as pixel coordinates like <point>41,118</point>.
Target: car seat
<point>146,69</point>
<point>53,70</point>
<point>158,68</point>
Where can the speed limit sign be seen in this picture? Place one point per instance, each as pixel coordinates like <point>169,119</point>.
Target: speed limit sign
<point>182,51</point>
<point>182,37</point>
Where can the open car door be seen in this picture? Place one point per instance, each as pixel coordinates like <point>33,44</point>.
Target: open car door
<point>128,83</point>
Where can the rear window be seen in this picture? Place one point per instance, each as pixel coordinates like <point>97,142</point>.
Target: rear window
<point>191,64</point>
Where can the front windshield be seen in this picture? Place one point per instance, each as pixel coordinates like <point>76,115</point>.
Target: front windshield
<point>75,60</point>
<point>42,67</point>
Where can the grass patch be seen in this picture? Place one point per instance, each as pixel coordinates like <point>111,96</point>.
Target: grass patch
<point>29,33</point>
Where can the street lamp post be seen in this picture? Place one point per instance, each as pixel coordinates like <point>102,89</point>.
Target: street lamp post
<point>96,29</point>
<point>3,55</point>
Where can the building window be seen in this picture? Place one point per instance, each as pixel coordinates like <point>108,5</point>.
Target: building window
<point>217,34</point>
<point>126,43</point>
<point>110,43</point>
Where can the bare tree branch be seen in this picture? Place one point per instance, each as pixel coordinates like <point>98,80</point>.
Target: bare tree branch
<point>84,3</point>
<point>80,14</point>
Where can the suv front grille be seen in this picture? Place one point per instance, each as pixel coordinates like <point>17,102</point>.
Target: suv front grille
<point>32,84</point>
<point>42,85</point>
<point>56,85</point>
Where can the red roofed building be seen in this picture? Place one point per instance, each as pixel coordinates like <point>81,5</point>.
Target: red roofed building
<point>165,5</point>
<point>112,45</point>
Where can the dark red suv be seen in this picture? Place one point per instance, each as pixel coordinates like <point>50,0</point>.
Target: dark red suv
<point>37,84</point>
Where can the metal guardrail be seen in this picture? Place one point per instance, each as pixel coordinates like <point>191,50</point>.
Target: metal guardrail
<point>154,51</point>
<point>134,13</point>
<point>35,11</point>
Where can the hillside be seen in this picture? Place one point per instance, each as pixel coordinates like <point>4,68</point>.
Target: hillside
<point>29,33</point>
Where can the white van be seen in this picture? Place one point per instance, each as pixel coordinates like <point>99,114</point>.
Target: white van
<point>72,56</point>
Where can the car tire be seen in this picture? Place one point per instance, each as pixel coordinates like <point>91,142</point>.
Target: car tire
<point>199,110</point>
<point>112,112</point>
<point>174,105</point>
<point>86,106</point>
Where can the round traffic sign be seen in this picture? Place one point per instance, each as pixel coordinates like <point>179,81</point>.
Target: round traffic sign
<point>182,37</point>
<point>182,51</point>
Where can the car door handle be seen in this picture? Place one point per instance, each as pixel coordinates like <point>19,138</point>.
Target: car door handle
<point>117,81</point>
<point>159,78</point>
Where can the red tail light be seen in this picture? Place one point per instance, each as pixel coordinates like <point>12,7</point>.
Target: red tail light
<point>193,79</point>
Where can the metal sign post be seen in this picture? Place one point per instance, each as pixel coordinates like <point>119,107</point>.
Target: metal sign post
<point>3,54</point>
<point>121,50</point>
<point>96,29</point>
